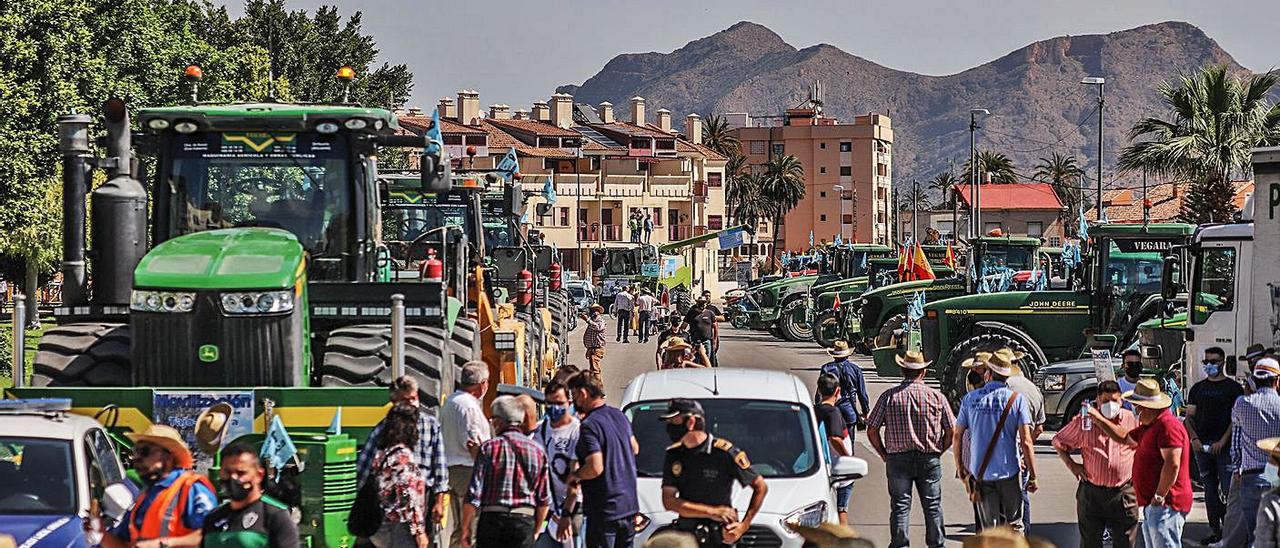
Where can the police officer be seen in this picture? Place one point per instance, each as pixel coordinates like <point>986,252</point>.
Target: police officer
<point>698,477</point>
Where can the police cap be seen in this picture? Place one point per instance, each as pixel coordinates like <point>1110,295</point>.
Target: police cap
<point>682,406</point>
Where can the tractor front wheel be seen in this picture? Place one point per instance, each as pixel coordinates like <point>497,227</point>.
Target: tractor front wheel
<point>360,355</point>
<point>792,324</point>
<point>954,384</point>
<point>83,354</point>
<point>826,328</point>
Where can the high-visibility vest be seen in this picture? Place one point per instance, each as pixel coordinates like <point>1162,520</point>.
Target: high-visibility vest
<point>164,516</point>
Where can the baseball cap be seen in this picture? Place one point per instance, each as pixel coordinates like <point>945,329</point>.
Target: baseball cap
<point>682,406</point>
<point>1266,368</point>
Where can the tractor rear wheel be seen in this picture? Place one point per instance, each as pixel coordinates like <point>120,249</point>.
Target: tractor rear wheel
<point>885,336</point>
<point>464,346</point>
<point>826,328</point>
<point>791,322</point>
<point>83,354</point>
<point>954,384</point>
<point>360,355</point>
<point>561,320</point>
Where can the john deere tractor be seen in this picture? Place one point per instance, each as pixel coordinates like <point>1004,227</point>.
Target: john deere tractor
<point>782,306</point>
<point>834,309</point>
<point>1116,290</point>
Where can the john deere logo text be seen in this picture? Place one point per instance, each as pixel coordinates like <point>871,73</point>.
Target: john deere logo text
<point>258,141</point>
<point>208,353</point>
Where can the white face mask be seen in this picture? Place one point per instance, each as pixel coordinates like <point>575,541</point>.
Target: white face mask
<point>1110,409</point>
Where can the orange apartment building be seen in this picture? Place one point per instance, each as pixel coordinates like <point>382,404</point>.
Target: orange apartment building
<point>848,172</point>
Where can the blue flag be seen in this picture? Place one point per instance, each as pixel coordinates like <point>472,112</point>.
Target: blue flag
<point>915,308</point>
<point>509,164</point>
<point>335,426</point>
<point>277,448</point>
<point>838,242</point>
<point>864,260</point>
<point>1083,231</point>
<point>549,191</point>
<point>435,140</point>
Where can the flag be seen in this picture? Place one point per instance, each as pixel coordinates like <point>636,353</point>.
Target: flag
<point>950,258</point>
<point>509,164</point>
<point>335,425</point>
<point>810,238</point>
<point>435,140</point>
<point>1083,231</point>
<point>864,260</point>
<point>902,264</point>
<point>549,191</point>
<point>920,269</point>
<point>915,307</point>
<point>277,448</point>
<point>838,242</point>
<point>836,304</point>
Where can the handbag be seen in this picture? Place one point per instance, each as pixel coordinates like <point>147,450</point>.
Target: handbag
<point>366,511</point>
<point>974,483</point>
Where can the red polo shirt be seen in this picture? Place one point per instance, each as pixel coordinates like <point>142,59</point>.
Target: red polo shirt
<point>1163,433</point>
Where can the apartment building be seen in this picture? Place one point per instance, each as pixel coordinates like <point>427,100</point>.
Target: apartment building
<point>602,168</point>
<point>848,170</point>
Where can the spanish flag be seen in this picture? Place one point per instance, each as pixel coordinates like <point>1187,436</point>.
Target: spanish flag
<point>920,269</point>
<point>904,266</point>
<point>950,258</point>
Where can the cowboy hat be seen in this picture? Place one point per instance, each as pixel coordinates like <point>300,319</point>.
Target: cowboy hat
<point>676,343</point>
<point>912,359</point>
<point>840,349</point>
<point>1256,351</point>
<point>978,360</point>
<point>1147,394</point>
<point>211,427</point>
<point>597,308</point>
<point>167,438</point>
<point>1000,364</point>
<point>831,534</point>
<point>1269,444</point>
<point>1013,357</point>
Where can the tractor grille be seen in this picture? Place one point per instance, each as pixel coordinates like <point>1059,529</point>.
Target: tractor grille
<point>339,486</point>
<point>251,350</point>
<point>760,537</point>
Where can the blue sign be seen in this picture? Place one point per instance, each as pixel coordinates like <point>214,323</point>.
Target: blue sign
<point>649,270</point>
<point>730,239</point>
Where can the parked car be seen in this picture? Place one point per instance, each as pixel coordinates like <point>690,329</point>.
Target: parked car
<point>1068,384</point>
<point>581,294</point>
<point>769,415</point>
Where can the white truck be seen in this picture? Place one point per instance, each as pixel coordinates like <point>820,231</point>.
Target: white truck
<point>1233,290</point>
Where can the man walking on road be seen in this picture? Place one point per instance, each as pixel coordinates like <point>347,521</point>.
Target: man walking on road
<point>623,301</point>
<point>917,424</point>
<point>593,338</point>
<point>703,330</point>
<point>606,454</point>
<point>558,434</point>
<point>1105,498</point>
<point>1161,462</point>
<point>832,420</point>
<point>1254,418</point>
<point>646,304</point>
<point>1001,423</point>
<point>1209,405</point>
<point>463,428</point>
<point>853,386</point>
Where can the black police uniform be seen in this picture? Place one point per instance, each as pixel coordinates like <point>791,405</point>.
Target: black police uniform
<point>705,475</point>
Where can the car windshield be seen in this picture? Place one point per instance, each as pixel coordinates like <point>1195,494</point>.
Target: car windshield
<point>577,291</point>
<point>36,476</point>
<point>777,436</point>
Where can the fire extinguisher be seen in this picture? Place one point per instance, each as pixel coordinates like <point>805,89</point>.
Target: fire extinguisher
<point>524,288</point>
<point>432,268</point>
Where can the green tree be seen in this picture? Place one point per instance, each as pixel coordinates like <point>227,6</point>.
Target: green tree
<point>997,164</point>
<point>1217,119</point>
<point>1064,174</point>
<point>747,205</point>
<point>943,183</point>
<point>717,136</point>
<point>782,188</point>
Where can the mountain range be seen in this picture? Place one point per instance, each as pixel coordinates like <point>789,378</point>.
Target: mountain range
<point>1034,93</point>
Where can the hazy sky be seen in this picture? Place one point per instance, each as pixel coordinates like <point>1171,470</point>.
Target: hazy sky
<point>518,51</point>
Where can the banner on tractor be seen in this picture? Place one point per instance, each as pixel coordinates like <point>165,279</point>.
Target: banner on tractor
<point>182,411</point>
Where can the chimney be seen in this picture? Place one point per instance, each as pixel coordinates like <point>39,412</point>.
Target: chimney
<point>637,110</point>
<point>446,109</point>
<point>468,107</point>
<point>521,114</point>
<point>606,112</point>
<point>562,110</point>
<point>693,128</point>
<point>415,111</point>
<point>664,120</point>
<point>500,112</point>
<point>541,112</point>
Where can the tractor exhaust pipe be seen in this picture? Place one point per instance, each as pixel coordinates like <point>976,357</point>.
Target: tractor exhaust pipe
<point>73,143</point>
<point>119,214</point>
<point>19,341</point>
<point>397,336</point>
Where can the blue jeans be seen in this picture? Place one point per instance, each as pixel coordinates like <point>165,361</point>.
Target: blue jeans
<point>1026,504</point>
<point>1245,512</point>
<point>618,533</point>
<point>924,472</point>
<point>842,497</point>
<point>1215,474</point>
<point>1162,527</point>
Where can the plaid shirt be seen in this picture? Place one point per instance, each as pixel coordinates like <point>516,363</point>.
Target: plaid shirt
<point>430,453</point>
<point>511,470</point>
<point>593,335</point>
<point>915,417</point>
<point>1255,417</point>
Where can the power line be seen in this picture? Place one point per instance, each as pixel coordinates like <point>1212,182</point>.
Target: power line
<point>1047,144</point>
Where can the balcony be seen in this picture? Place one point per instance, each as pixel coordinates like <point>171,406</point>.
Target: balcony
<point>612,233</point>
<point>676,233</point>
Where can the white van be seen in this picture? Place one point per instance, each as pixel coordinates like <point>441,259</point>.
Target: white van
<point>769,414</point>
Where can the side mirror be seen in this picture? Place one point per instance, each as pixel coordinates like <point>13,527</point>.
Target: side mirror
<point>437,175</point>
<point>513,200</point>
<point>1168,308</point>
<point>1150,352</point>
<point>847,468</point>
<point>1168,281</point>
<point>543,209</point>
<point>117,499</point>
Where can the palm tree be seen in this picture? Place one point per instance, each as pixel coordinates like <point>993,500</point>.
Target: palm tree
<point>1064,174</point>
<point>1217,119</point>
<point>997,164</point>
<point>782,188</point>
<point>717,136</point>
<point>746,204</point>
<point>943,183</point>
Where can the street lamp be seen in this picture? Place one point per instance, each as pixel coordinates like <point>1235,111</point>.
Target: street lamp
<point>975,194</point>
<point>840,189</point>
<point>1100,82</point>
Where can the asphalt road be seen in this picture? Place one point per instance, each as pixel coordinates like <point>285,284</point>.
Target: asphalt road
<point>1052,508</point>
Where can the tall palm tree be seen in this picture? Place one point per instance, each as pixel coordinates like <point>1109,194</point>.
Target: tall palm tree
<point>997,164</point>
<point>943,183</point>
<point>747,205</point>
<point>717,136</point>
<point>1064,174</point>
<point>782,188</point>
<point>1217,119</point>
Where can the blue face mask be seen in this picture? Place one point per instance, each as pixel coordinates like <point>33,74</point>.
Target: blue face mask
<point>1211,369</point>
<point>556,412</point>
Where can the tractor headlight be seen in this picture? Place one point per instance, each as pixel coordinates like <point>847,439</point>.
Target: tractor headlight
<point>257,302</point>
<point>810,516</point>
<point>327,127</point>
<point>355,124</point>
<point>186,126</point>
<point>161,301</point>
<point>158,124</point>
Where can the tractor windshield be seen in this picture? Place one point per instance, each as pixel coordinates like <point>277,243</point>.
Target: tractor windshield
<point>405,224</point>
<point>1000,257</point>
<point>1129,271</point>
<point>299,182</point>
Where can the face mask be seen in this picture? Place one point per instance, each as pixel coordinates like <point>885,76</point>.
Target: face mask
<point>1110,409</point>
<point>556,412</point>
<point>235,490</point>
<point>1133,371</point>
<point>676,431</point>
<point>1272,474</point>
<point>1211,369</point>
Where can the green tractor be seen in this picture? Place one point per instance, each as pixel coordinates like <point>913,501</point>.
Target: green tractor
<point>835,314</point>
<point>783,306</point>
<point>1111,295</point>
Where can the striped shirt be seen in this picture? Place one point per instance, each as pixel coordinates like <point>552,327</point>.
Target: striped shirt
<point>593,335</point>
<point>1255,417</point>
<point>1108,463</point>
<point>915,417</point>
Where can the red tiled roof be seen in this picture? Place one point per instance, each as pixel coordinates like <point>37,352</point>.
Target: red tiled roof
<point>419,124</point>
<point>534,127</point>
<point>704,149</point>
<point>501,141</point>
<point>1014,196</point>
<point>1125,204</point>
<point>632,130</point>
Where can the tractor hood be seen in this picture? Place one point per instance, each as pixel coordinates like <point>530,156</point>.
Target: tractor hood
<point>847,284</point>
<point>899,288</point>
<point>233,258</point>
<point>1014,303</point>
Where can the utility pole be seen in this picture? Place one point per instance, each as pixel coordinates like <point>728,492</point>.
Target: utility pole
<point>893,218</point>
<point>1100,82</point>
<point>577,208</point>
<point>973,169</point>
<point>915,210</point>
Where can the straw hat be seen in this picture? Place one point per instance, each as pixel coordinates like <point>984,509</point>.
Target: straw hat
<point>913,360</point>
<point>1147,394</point>
<point>168,438</point>
<point>1269,444</point>
<point>831,535</point>
<point>211,427</point>
<point>1266,368</point>
<point>978,360</point>
<point>840,350</point>
<point>597,308</point>
<point>1256,351</point>
<point>1013,357</point>
<point>675,343</point>
<point>1000,364</point>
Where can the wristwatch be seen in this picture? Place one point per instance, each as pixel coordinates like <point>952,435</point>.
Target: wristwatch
<point>1157,500</point>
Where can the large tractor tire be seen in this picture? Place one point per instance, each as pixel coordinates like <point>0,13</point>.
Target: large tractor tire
<point>791,322</point>
<point>360,355</point>
<point>561,319</point>
<point>826,328</point>
<point>83,354</point>
<point>953,381</point>
<point>885,336</point>
<point>464,346</point>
